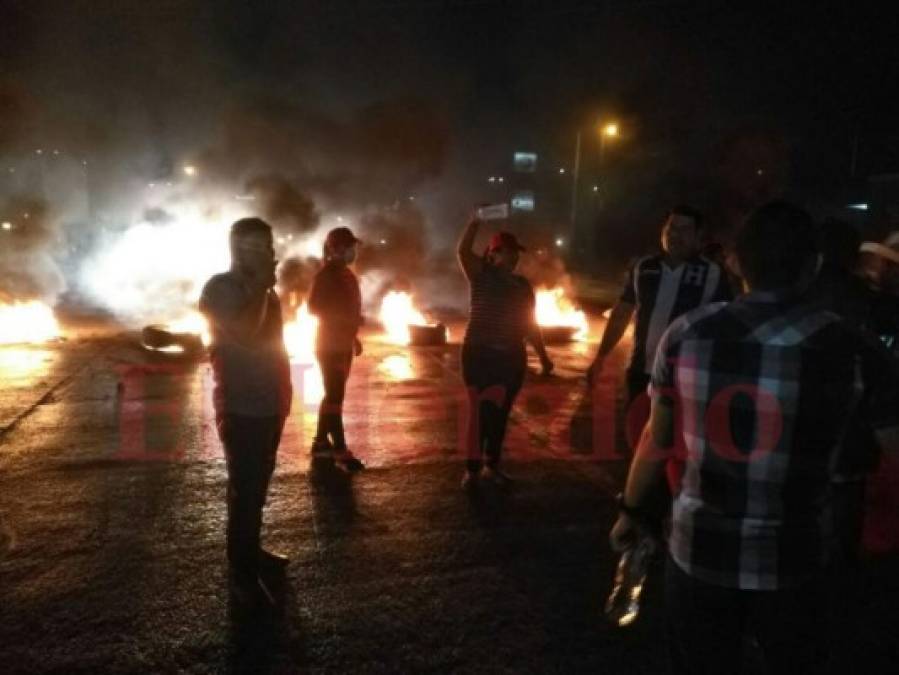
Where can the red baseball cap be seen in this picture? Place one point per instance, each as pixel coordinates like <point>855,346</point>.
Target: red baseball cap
<point>341,236</point>
<point>505,240</point>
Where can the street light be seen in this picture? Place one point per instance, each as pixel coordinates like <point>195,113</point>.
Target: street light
<point>190,170</point>
<point>607,131</point>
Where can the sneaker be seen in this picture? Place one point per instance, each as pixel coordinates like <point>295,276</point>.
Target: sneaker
<point>492,474</point>
<point>347,461</point>
<point>322,449</point>
<point>251,595</point>
<point>276,562</point>
<point>470,480</point>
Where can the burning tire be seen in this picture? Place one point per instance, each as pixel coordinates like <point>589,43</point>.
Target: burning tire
<point>558,335</point>
<point>427,336</point>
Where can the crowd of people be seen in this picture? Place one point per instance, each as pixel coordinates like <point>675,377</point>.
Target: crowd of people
<point>771,400</point>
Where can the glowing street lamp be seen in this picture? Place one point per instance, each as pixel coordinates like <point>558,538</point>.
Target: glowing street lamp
<point>190,170</point>
<point>607,131</point>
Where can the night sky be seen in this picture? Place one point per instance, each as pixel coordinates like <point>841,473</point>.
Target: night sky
<point>150,82</point>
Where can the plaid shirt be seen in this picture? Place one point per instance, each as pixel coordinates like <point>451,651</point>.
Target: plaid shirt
<point>763,390</point>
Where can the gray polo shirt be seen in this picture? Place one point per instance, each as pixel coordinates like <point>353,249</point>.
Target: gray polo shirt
<point>250,379</point>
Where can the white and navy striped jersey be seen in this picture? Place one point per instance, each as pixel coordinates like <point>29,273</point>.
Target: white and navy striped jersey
<point>662,293</point>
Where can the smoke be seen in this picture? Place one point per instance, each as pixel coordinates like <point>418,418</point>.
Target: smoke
<point>282,204</point>
<point>29,234</point>
<point>266,135</point>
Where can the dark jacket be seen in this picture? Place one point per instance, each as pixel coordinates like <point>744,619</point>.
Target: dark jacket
<point>336,300</point>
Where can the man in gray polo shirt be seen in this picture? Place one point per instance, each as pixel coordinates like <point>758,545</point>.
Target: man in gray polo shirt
<point>251,397</point>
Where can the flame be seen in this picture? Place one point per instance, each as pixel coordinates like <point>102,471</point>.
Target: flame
<point>194,323</point>
<point>398,312</point>
<point>24,362</point>
<point>27,322</point>
<point>299,338</point>
<point>555,309</point>
<point>398,367</point>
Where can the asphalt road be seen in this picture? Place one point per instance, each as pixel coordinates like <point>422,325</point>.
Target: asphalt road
<point>112,517</point>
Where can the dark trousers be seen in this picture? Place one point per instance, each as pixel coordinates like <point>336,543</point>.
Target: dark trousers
<point>335,367</point>
<point>706,624</point>
<point>251,445</point>
<point>493,378</point>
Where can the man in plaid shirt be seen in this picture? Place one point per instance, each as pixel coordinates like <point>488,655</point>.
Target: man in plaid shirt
<point>755,396</point>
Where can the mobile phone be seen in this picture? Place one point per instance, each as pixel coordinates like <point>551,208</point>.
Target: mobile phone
<point>493,212</point>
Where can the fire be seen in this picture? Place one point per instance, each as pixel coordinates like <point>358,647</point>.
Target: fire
<point>194,323</point>
<point>299,338</point>
<point>27,322</point>
<point>398,312</point>
<point>398,367</point>
<point>556,310</point>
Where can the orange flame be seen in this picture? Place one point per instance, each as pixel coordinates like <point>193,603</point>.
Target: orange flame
<point>299,338</point>
<point>398,312</point>
<point>194,323</point>
<point>27,322</point>
<point>555,309</point>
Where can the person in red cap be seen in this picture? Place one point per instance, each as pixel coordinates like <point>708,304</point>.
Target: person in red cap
<point>494,358</point>
<point>336,301</point>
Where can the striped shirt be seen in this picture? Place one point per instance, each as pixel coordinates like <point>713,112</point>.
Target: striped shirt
<point>502,309</point>
<point>764,389</point>
<point>662,293</point>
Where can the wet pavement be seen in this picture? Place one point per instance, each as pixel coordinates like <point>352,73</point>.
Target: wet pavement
<point>112,519</point>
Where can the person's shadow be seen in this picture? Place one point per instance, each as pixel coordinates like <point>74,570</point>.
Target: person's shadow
<point>489,504</point>
<point>333,497</point>
<point>271,640</point>
<point>266,640</point>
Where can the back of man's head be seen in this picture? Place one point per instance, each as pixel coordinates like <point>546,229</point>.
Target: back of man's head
<point>776,248</point>
<point>839,242</point>
<point>246,227</point>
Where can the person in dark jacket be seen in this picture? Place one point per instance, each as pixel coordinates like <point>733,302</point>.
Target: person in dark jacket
<point>494,358</point>
<point>252,397</point>
<point>337,302</point>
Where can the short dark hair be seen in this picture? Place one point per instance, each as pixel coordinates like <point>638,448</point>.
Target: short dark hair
<point>248,226</point>
<point>839,242</point>
<point>775,244</point>
<point>688,212</point>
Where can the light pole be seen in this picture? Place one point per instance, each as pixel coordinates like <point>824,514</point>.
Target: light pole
<point>606,131</point>
<point>574,177</point>
<point>610,130</point>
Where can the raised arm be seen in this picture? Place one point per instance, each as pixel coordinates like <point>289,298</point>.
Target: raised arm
<point>470,261</point>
